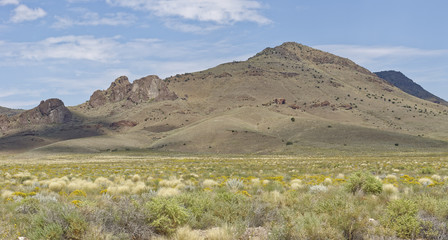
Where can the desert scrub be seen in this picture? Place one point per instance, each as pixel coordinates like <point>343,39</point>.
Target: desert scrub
<point>165,214</point>
<point>363,182</point>
<point>401,216</point>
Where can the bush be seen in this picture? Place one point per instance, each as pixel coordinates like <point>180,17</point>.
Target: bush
<point>57,222</point>
<point>401,216</point>
<point>364,182</point>
<point>165,215</point>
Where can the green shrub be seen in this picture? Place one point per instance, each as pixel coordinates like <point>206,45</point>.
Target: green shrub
<point>364,182</point>
<point>55,221</point>
<point>401,216</point>
<point>76,226</point>
<point>165,215</point>
<point>428,170</point>
<point>48,231</point>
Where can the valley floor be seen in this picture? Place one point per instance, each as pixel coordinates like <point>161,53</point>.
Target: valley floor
<point>139,195</point>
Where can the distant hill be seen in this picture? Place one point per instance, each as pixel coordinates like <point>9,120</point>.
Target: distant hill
<point>399,80</point>
<point>288,99</point>
<point>9,111</point>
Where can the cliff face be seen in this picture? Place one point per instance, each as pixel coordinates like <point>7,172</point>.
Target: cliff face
<point>141,90</point>
<point>50,111</point>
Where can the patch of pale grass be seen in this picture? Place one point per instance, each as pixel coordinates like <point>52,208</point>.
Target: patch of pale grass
<point>119,190</point>
<point>255,181</point>
<point>172,182</point>
<point>436,178</point>
<point>327,181</point>
<point>425,181</point>
<point>340,176</point>
<point>220,233</point>
<point>274,197</point>
<point>103,182</point>
<point>168,192</point>
<point>56,186</point>
<point>391,177</point>
<point>139,187</point>
<point>390,189</point>
<point>186,233</point>
<point>136,178</point>
<point>209,183</point>
<point>6,194</point>
<point>81,184</point>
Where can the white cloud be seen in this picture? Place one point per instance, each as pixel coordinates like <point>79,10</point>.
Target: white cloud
<point>217,11</point>
<point>23,13</point>
<point>9,2</point>
<point>65,47</point>
<point>94,19</point>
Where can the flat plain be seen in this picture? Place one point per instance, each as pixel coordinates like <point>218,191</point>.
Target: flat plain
<point>149,195</point>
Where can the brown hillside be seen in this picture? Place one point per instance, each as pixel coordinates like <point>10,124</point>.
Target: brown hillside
<point>290,98</point>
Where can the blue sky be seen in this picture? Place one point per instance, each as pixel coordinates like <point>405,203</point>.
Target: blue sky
<point>69,48</point>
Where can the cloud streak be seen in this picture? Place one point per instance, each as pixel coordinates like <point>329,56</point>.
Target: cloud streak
<point>23,13</point>
<point>217,11</point>
<point>9,2</point>
<point>94,19</point>
<point>372,54</point>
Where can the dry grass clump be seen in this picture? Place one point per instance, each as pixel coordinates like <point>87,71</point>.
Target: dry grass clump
<point>139,187</point>
<point>186,233</point>
<point>425,181</point>
<point>391,191</point>
<point>340,176</point>
<point>168,192</point>
<point>6,194</point>
<point>327,181</point>
<point>103,182</point>
<point>220,233</point>
<point>57,185</point>
<point>136,178</point>
<point>436,178</point>
<point>172,182</point>
<point>255,181</point>
<point>296,184</point>
<point>208,183</point>
<point>82,184</point>
<point>391,177</point>
<point>119,190</point>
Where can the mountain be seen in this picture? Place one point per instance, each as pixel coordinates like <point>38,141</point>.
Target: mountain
<point>286,99</point>
<point>399,80</point>
<point>9,111</point>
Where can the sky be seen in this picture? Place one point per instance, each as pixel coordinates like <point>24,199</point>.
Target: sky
<point>67,49</point>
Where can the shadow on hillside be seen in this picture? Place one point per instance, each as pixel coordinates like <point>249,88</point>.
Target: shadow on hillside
<point>39,136</point>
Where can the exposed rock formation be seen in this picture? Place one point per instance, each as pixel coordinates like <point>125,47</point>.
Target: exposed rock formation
<point>141,90</point>
<point>48,112</point>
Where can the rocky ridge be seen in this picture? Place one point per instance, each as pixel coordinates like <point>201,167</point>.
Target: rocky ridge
<point>141,90</point>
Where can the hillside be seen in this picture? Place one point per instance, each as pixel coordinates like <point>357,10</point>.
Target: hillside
<point>9,111</point>
<point>399,80</point>
<point>287,99</point>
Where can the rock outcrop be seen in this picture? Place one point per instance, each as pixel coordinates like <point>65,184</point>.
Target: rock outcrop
<point>141,90</point>
<point>50,111</point>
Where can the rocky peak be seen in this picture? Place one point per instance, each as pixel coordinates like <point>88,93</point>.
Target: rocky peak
<point>119,89</point>
<point>141,90</point>
<point>50,111</point>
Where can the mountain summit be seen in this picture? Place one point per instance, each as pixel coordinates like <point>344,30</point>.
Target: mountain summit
<point>286,99</point>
